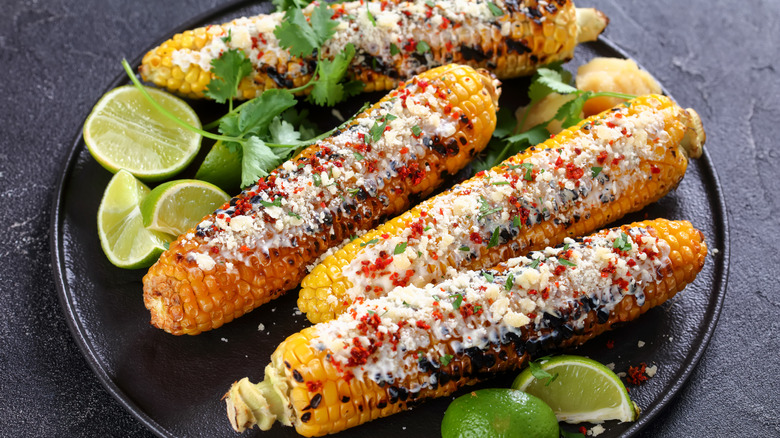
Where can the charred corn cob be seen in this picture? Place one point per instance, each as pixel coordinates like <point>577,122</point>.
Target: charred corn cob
<point>393,40</point>
<point>258,246</point>
<point>387,354</point>
<point>580,180</point>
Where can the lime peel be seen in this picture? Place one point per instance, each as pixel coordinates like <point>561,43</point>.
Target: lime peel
<point>177,206</point>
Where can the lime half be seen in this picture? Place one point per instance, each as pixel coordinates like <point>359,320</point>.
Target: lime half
<point>124,239</point>
<point>499,412</point>
<point>124,131</point>
<point>583,391</point>
<point>177,206</point>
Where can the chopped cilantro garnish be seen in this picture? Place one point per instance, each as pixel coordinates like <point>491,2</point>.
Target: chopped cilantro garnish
<point>394,50</point>
<point>422,47</point>
<point>623,242</point>
<point>370,242</point>
<point>370,15</point>
<point>277,202</point>
<point>430,3</point>
<point>495,10</point>
<point>317,179</point>
<point>535,264</point>
<point>376,131</point>
<point>488,276</point>
<point>493,238</point>
<point>458,301</point>
<point>484,208</point>
<point>510,281</point>
<point>427,228</point>
<point>464,248</point>
<point>539,373</point>
<point>416,131</point>
<point>445,360</point>
<point>518,222</point>
<point>565,262</point>
<point>595,171</point>
<point>400,248</point>
<point>528,171</point>
<point>226,39</point>
<point>500,183</point>
<point>353,191</point>
<point>293,214</point>
<point>358,156</point>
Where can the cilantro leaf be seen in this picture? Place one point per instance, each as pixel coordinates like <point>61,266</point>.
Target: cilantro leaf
<point>488,276</point>
<point>493,238</point>
<point>458,301</point>
<point>229,69</point>
<point>370,15</point>
<point>296,34</point>
<point>256,115</point>
<point>394,50</point>
<point>570,111</point>
<point>553,80</point>
<point>533,136</point>
<point>327,89</point>
<point>422,47</point>
<point>623,242</point>
<point>322,24</point>
<point>510,281</point>
<point>495,10</point>
<point>400,248</point>
<point>283,5</point>
<point>505,123</point>
<point>565,262</point>
<point>445,360</point>
<point>257,157</point>
<point>595,171</point>
<point>283,132</point>
<point>539,373</point>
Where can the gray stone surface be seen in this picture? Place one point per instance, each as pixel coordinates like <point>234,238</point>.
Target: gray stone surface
<point>58,56</point>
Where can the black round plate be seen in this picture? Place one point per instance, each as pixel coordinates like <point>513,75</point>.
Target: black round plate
<point>174,385</point>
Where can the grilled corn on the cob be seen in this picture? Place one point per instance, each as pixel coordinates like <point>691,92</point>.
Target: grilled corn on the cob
<point>387,354</point>
<point>258,246</point>
<point>394,40</point>
<point>580,180</point>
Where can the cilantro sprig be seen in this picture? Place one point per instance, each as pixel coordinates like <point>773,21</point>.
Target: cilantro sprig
<point>547,80</point>
<point>540,373</point>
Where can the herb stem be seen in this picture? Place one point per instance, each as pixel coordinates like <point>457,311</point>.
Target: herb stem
<point>168,114</point>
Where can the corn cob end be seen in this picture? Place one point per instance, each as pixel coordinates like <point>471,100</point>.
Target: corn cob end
<point>590,23</point>
<point>261,404</point>
<point>695,137</point>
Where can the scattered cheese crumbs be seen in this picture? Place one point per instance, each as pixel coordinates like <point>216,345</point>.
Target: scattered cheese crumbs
<point>223,339</point>
<point>650,371</point>
<point>596,430</point>
<point>621,374</point>
<point>640,344</point>
<point>715,251</point>
<point>611,366</point>
<point>261,327</point>
<point>204,261</point>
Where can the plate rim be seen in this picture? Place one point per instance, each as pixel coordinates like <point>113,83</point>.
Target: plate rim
<point>689,363</point>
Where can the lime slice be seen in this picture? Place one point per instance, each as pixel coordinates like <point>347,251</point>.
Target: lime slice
<point>222,168</point>
<point>499,412</point>
<point>583,391</point>
<point>177,206</point>
<point>124,239</point>
<point>124,131</point>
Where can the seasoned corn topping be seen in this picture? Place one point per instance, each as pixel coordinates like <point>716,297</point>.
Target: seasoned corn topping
<point>390,338</point>
<point>394,40</point>
<point>564,184</point>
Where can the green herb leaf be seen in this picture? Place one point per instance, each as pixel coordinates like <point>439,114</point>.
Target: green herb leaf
<point>358,156</point>
<point>445,360</point>
<point>528,171</point>
<point>400,248</point>
<point>493,239</point>
<point>370,15</point>
<point>458,301</point>
<point>226,39</point>
<point>623,242</point>
<point>276,203</point>
<point>416,131</point>
<point>370,242</point>
<point>328,89</point>
<point>517,222</point>
<point>535,264</point>
<point>257,157</point>
<point>283,132</point>
<point>510,281</point>
<point>283,5</point>
<point>570,111</point>
<point>296,34</point>
<point>376,131</point>
<point>228,69</point>
<point>488,276</point>
<point>464,248</point>
<point>495,10</point>
<point>293,214</point>
<point>595,171</point>
<point>539,373</point>
<point>317,179</point>
<point>394,50</point>
<point>255,116</point>
<point>565,262</point>
<point>430,3</point>
<point>422,47</point>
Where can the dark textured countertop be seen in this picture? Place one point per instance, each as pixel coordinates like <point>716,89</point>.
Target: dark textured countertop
<point>58,56</point>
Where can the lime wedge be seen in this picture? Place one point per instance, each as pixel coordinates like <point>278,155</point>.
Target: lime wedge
<point>222,168</point>
<point>583,391</point>
<point>124,239</point>
<point>177,206</point>
<point>124,131</point>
